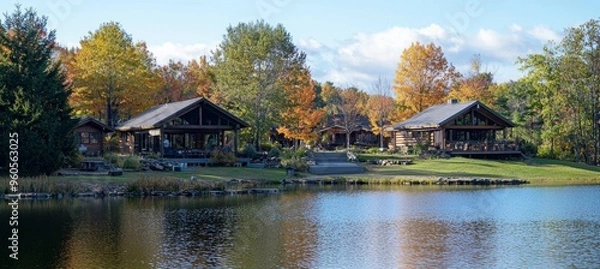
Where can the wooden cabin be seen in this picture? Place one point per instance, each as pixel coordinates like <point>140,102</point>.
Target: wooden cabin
<point>334,133</point>
<point>89,136</point>
<point>468,129</point>
<point>185,129</point>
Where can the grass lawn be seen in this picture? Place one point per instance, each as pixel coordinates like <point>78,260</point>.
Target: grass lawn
<point>204,173</point>
<point>537,171</point>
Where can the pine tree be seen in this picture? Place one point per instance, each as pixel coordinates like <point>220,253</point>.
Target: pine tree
<point>33,96</point>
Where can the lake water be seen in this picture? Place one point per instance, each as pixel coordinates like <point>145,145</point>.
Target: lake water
<point>342,227</point>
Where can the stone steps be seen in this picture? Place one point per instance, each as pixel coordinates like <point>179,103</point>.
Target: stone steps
<point>330,157</point>
<point>333,163</point>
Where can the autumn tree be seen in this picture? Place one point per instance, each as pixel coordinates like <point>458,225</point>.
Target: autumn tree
<point>34,112</point>
<point>347,106</point>
<point>177,84</point>
<point>204,79</point>
<point>300,117</point>
<point>250,65</point>
<point>423,78</point>
<point>475,85</point>
<point>113,76</point>
<point>379,107</point>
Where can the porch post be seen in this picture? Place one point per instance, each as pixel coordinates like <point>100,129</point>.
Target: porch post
<point>222,134</point>
<point>443,131</point>
<point>236,138</point>
<point>162,143</point>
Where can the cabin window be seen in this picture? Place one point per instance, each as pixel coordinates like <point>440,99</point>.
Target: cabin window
<point>85,138</point>
<point>94,138</point>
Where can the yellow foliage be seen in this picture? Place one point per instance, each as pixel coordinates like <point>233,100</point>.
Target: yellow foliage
<point>423,79</point>
<point>112,76</point>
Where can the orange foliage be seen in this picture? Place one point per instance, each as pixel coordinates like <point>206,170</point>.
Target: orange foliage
<point>300,118</point>
<point>476,86</point>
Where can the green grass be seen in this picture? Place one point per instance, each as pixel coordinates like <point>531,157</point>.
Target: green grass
<point>537,171</point>
<point>201,173</point>
<point>207,177</point>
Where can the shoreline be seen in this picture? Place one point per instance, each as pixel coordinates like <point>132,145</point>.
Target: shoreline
<point>172,187</point>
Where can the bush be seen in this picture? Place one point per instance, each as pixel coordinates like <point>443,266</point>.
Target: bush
<point>249,151</point>
<point>111,158</point>
<point>531,149</point>
<point>294,159</point>
<point>132,162</point>
<point>219,157</point>
<point>266,147</point>
<point>373,150</point>
<point>295,163</point>
<point>75,160</point>
<point>274,152</point>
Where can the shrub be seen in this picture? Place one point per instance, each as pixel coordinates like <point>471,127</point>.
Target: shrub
<point>132,162</point>
<point>296,163</point>
<point>531,149</point>
<point>301,152</point>
<point>294,159</point>
<point>266,147</point>
<point>249,151</point>
<point>274,152</point>
<point>219,157</point>
<point>111,158</point>
<point>75,160</point>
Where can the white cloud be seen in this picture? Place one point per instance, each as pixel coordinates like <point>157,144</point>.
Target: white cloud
<point>179,52</point>
<point>544,34</point>
<point>361,59</point>
<point>311,44</point>
<point>516,28</point>
<point>506,46</point>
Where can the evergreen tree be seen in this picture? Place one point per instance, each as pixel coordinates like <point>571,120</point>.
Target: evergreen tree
<point>33,96</point>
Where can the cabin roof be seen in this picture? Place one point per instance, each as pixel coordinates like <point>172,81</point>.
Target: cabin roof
<point>95,122</point>
<point>438,115</point>
<point>155,116</point>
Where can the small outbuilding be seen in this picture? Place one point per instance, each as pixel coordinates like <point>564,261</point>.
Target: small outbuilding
<point>89,136</point>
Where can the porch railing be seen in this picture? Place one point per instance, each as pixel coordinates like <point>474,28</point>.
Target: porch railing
<point>506,145</point>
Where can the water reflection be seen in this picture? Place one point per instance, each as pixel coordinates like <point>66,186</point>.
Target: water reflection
<point>351,227</point>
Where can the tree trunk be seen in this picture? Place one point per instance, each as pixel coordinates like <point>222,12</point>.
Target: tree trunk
<point>347,140</point>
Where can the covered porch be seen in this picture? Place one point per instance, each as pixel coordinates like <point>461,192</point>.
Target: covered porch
<point>182,130</point>
<point>458,129</point>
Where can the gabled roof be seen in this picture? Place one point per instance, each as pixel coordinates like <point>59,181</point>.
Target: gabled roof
<point>97,123</point>
<point>155,116</point>
<point>438,115</point>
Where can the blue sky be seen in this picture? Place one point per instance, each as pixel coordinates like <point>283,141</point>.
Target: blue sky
<point>349,43</point>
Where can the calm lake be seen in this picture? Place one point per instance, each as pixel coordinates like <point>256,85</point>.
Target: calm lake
<point>342,227</point>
